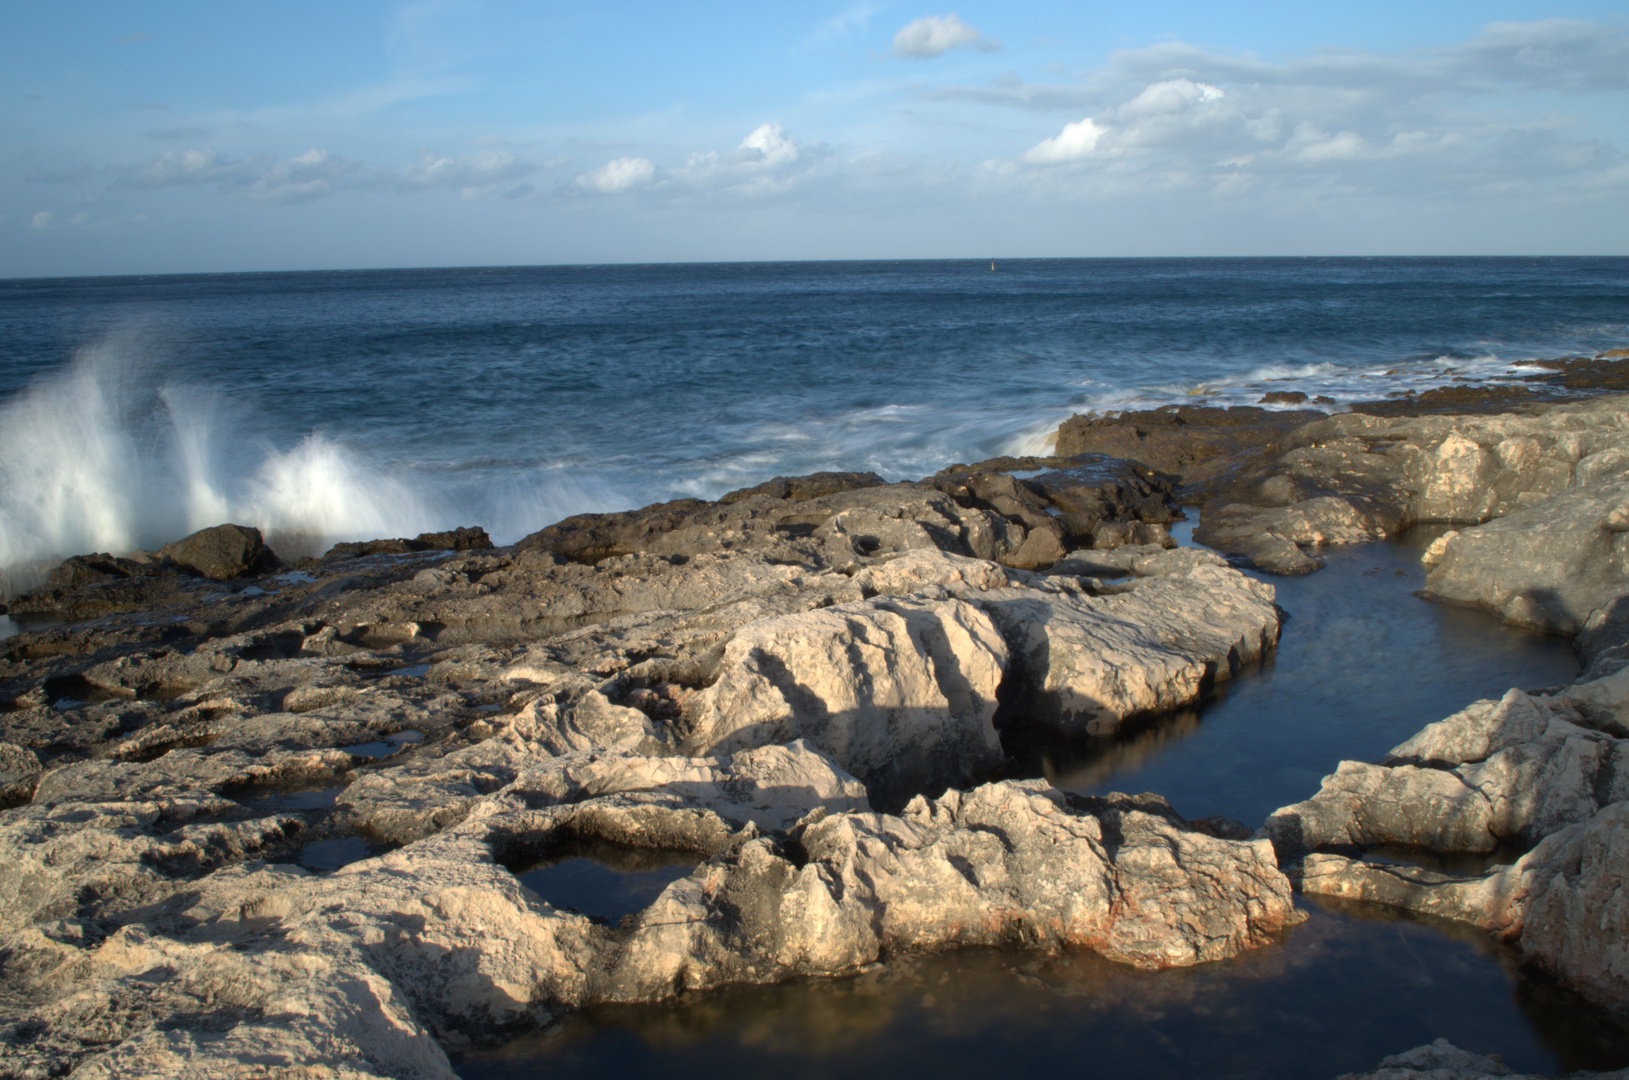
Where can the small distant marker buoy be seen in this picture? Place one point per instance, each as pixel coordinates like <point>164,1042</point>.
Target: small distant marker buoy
<point>992,264</point>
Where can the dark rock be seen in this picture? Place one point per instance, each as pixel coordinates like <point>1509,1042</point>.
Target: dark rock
<point>812,486</point>
<point>80,570</point>
<point>1203,448</point>
<point>1605,372</point>
<point>1286,397</point>
<point>1477,398</point>
<point>221,553</point>
<point>466,538</point>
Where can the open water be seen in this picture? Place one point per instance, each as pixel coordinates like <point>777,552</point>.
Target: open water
<point>350,405</point>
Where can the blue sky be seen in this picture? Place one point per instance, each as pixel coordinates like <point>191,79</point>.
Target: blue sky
<point>204,136</point>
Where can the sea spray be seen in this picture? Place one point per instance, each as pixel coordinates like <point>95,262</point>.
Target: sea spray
<point>97,457</point>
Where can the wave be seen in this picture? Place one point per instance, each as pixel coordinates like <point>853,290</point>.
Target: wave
<point>98,457</point>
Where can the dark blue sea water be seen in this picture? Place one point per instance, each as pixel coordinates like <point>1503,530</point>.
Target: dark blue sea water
<point>345,405</point>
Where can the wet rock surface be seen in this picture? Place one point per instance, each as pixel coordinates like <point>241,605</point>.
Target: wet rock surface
<point>275,821</point>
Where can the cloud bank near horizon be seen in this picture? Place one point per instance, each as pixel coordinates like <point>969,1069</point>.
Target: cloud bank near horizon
<point>1518,119</point>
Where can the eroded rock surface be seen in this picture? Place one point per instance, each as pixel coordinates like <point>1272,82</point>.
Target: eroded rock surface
<point>1276,486</point>
<point>280,819</point>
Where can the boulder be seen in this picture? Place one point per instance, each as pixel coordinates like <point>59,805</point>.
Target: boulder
<point>1549,566</point>
<point>220,553</point>
<point>1088,663</point>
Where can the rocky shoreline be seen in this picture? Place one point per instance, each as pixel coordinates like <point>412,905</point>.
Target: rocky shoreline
<point>803,686</point>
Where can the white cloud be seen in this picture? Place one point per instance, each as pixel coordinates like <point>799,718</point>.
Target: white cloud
<point>935,35</point>
<point>1074,142</point>
<point>471,174</point>
<point>317,173</point>
<point>188,167</point>
<point>768,161</point>
<point>1465,120</point>
<point>1311,145</point>
<point>312,175</point>
<point>615,177</point>
<point>772,146</point>
<point>1168,97</point>
<point>41,220</point>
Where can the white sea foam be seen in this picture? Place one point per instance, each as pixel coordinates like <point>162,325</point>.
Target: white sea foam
<point>94,458</point>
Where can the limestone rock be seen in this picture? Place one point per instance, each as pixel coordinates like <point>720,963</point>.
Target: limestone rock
<point>900,692</point>
<point>1089,663</point>
<point>1548,566</point>
<point>1010,861</point>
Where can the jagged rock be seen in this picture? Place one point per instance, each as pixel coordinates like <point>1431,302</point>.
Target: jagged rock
<point>1012,861</point>
<point>19,772</point>
<point>1516,770</point>
<point>1576,917</point>
<point>464,538</point>
<point>1272,537</point>
<point>462,711</point>
<point>1359,476</point>
<point>1547,770</point>
<point>1203,446</point>
<point>441,938</point>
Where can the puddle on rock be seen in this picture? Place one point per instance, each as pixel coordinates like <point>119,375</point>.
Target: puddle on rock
<point>606,882</point>
<point>282,802</point>
<point>386,746</point>
<point>339,851</point>
<point>1339,993</point>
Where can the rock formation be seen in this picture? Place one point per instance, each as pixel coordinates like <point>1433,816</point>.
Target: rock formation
<point>272,816</point>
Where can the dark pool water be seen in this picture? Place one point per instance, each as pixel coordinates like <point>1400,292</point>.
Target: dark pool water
<point>607,883</point>
<point>1341,991</point>
<point>1361,666</point>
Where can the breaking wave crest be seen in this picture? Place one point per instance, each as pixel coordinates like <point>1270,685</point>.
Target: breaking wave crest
<point>98,457</point>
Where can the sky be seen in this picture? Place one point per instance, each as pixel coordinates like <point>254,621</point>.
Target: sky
<point>200,137</point>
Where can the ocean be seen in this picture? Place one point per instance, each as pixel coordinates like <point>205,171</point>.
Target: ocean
<point>349,405</point>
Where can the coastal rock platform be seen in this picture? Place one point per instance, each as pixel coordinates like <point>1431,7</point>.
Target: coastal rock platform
<point>283,816</point>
